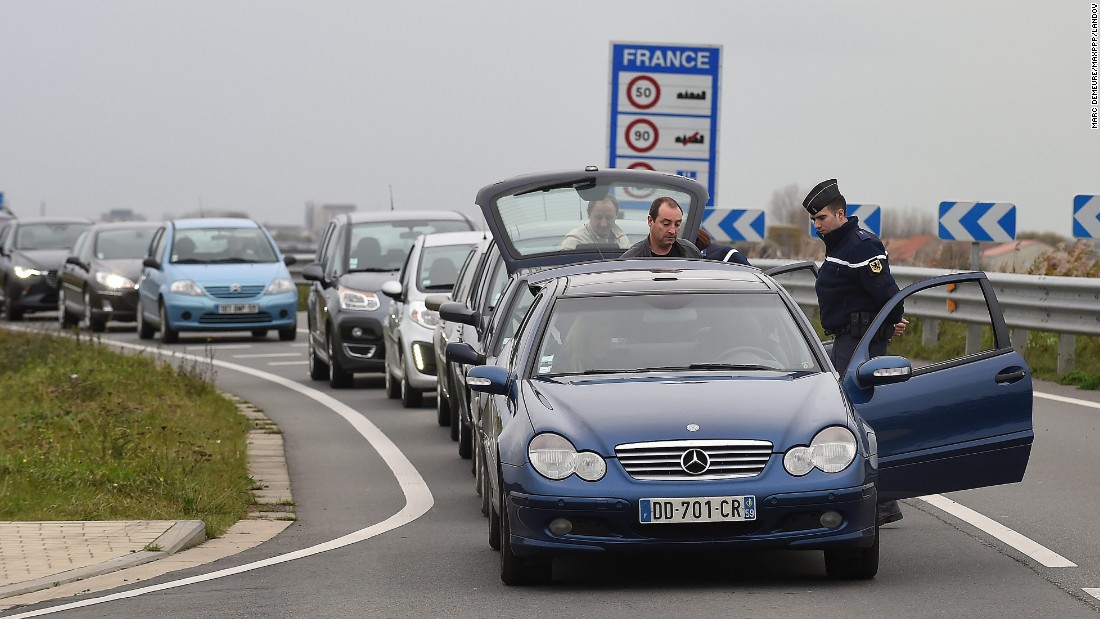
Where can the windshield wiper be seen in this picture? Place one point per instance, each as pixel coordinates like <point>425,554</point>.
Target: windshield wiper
<point>730,366</point>
<point>371,270</point>
<point>233,261</point>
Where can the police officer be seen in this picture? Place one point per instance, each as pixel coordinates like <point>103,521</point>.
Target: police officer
<point>717,251</point>
<point>853,285</point>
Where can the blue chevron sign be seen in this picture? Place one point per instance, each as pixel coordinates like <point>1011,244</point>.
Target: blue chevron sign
<point>870,218</point>
<point>993,222</point>
<point>734,224</point>
<point>1086,217</point>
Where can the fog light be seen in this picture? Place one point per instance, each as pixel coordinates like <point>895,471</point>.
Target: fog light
<point>283,313</point>
<point>831,520</point>
<point>357,332</point>
<point>186,316</point>
<point>560,526</point>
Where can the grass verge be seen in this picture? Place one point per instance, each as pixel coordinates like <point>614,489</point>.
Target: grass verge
<point>90,434</point>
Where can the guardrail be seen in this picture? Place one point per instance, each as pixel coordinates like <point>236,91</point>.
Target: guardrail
<point>1068,306</point>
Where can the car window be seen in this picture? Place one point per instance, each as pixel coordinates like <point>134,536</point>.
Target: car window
<point>465,276</point>
<point>438,269</point>
<point>221,246</point>
<point>48,236</point>
<point>383,245</point>
<point>675,331</point>
<point>966,327</point>
<point>506,323</point>
<point>122,243</point>
<point>79,245</point>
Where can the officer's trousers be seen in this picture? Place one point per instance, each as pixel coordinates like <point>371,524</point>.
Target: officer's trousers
<point>843,347</point>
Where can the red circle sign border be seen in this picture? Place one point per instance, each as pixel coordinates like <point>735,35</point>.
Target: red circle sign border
<point>630,92</point>
<point>656,135</point>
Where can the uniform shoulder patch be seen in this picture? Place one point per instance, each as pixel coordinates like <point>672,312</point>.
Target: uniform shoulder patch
<point>875,266</point>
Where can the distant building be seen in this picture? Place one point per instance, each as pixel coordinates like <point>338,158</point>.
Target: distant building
<point>1014,256</point>
<point>319,214</point>
<point>121,214</point>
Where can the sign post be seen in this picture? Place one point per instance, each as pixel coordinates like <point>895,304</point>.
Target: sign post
<point>664,110</point>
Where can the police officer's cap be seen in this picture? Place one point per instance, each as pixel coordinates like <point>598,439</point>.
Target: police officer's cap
<point>824,194</point>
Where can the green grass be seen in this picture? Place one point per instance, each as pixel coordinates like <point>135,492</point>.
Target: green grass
<point>90,434</point>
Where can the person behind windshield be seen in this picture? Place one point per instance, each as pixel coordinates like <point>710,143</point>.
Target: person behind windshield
<point>601,227</point>
<point>665,219</point>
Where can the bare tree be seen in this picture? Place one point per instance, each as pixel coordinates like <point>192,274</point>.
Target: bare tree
<point>907,222</point>
<point>785,207</point>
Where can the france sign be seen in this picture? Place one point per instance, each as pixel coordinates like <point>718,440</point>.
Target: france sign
<point>664,110</point>
<point>978,221</point>
<point>734,224</point>
<point>1086,217</point>
<point>870,218</point>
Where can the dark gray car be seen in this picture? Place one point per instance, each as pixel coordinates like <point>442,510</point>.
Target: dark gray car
<point>31,254</point>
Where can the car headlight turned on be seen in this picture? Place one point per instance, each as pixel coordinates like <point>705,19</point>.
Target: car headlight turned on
<point>831,451</point>
<point>26,272</point>
<point>423,316</point>
<point>358,299</point>
<point>554,457</point>
<point>113,281</point>
<point>279,286</point>
<point>186,286</point>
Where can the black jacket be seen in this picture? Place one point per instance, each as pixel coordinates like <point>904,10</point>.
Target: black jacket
<point>855,277</point>
<point>641,250</point>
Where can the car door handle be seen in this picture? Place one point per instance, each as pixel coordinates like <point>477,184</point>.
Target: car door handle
<point>1010,376</point>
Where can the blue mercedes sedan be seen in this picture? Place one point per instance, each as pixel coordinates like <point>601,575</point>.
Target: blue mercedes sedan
<point>687,405</point>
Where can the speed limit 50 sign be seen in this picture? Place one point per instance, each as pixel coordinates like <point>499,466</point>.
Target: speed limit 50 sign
<point>664,109</point>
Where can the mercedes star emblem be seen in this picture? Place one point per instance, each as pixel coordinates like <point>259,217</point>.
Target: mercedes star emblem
<point>695,461</point>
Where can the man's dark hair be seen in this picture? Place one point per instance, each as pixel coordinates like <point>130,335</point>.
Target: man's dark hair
<point>656,206</point>
<point>608,198</point>
<point>838,205</point>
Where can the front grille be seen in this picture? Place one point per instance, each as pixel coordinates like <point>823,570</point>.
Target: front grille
<point>245,292</point>
<point>661,460</point>
<point>234,319</point>
<point>51,278</point>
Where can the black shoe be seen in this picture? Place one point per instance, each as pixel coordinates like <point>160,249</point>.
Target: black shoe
<point>889,511</point>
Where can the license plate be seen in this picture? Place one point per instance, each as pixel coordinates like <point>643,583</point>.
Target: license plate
<point>238,308</point>
<point>697,509</point>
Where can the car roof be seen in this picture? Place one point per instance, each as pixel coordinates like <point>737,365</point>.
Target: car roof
<point>655,275</point>
<point>50,220</point>
<point>214,222</point>
<point>404,215</point>
<point>125,225</point>
<point>439,239</point>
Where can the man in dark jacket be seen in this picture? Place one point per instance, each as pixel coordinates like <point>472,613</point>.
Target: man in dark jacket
<point>665,219</point>
<point>717,251</point>
<point>853,285</point>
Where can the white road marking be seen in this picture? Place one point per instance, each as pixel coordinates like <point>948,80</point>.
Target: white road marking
<point>267,354</point>
<point>1093,592</point>
<point>1065,400</point>
<point>418,498</point>
<point>216,346</point>
<point>1045,556</point>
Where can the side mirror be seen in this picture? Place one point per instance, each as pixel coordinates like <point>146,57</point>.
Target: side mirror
<point>393,290</point>
<point>75,260</point>
<point>312,272</point>
<point>433,301</point>
<point>457,312</point>
<point>289,260</point>
<point>461,352</point>
<point>883,371</point>
<point>488,379</point>
<point>151,262</point>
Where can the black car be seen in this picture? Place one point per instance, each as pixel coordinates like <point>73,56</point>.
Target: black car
<point>345,308</point>
<point>31,254</point>
<point>98,281</point>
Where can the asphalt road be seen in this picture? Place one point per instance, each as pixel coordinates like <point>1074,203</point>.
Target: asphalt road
<point>389,526</point>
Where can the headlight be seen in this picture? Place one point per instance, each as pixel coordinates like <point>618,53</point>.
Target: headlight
<point>423,316</point>
<point>358,299</point>
<point>280,286</point>
<point>186,286</point>
<point>832,450</point>
<point>554,457</point>
<point>25,272</point>
<point>113,280</point>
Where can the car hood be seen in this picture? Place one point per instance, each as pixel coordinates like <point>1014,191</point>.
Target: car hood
<point>130,268</point>
<point>234,273</point>
<point>46,259</point>
<point>601,412</point>
<point>367,280</point>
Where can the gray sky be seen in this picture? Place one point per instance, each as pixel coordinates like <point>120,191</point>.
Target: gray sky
<point>261,106</point>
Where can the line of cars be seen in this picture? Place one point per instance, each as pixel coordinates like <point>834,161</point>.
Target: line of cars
<point>688,405</point>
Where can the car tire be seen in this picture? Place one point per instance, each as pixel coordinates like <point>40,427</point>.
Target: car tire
<point>338,377</point>
<point>454,421</point>
<point>442,408</point>
<point>482,483</point>
<point>144,330</point>
<point>464,442</point>
<point>410,396</point>
<point>11,312</point>
<point>318,370</point>
<point>93,324</point>
<point>494,525</point>
<point>288,335</point>
<point>259,333</point>
<point>853,563</point>
<point>168,335</point>
<point>516,570</point>
<point>64,319</point>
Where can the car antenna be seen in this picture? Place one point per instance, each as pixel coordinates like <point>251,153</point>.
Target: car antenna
<point>391,197</point>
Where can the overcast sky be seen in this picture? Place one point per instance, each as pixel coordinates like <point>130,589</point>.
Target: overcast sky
<point>262,106</point>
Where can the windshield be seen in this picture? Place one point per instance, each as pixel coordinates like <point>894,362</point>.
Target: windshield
<point>439,267</point>
<point>48,236</point>
<point>222,245</point>
<point>701,331</point>
<point>383,245</point>
<point>123,244</point>
<point>576,218</point>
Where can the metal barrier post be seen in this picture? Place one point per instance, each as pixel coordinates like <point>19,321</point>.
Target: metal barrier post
<point>1067,352</point>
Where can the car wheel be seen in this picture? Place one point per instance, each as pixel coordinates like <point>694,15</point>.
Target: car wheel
<point>64,320</point>
<point>318,370</point>
<point>288,335</point>
<point>853,563</point>
<point>464,442</point>
<point>515,570</point>
<point>168,335</point>
<point>144,329</point>
<point>338,377</point>
<point>482,482</point>
<point>259,333</point>
<point>494,524</point>
<point>410,397</point>
<point>454,421</point>
<point>442,408</point>
<point>90,321</point>
<point>11,312</point>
